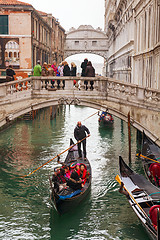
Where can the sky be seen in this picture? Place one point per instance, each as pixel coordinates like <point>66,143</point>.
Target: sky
<point>72,13</point>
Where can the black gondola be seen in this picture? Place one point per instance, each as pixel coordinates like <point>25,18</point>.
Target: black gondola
<point>143,197</point>
<point>150,155</point>
<point>65,200</point>
<point>106,119</point>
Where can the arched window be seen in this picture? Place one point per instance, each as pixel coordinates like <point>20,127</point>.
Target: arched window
<point>12,53</point>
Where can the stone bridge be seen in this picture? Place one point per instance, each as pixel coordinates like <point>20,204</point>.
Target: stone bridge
<point>86,39</point>
<point>22,96</point>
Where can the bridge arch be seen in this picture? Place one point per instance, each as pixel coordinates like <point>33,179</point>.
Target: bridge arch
<point>86,39</point>
<point>101,106</point>
<point>119,97</point>
<point>97,62</point>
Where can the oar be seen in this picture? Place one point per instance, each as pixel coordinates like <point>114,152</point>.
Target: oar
<point>90,116</point>
<point>52,159</point>
<point>140,155</point>
<point>118,179</point>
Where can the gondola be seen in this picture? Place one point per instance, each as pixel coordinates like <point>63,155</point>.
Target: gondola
<point>106,119</point>
<point>67,199</point>
<point>150,156</point>
<point>143,197</point>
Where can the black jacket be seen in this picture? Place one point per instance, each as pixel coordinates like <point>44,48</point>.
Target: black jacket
<point>66,70</point>
<point>80,132</point>
<point>74,185</point>
<point>10,72</point>
<point>73,71</point>
<point>83,66</point>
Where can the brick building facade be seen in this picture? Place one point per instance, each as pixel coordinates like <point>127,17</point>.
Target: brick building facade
<point>27,35</point>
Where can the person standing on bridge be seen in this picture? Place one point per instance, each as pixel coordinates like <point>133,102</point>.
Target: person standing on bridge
<point>73,69</point>
<point>37,69</point>
<point>90,72</point>
<point>66,69</point>
<point>83,74</point>
<point>83,66</point>
<point>80,133</point>
<point>10,73</point>
<point>55,68</point>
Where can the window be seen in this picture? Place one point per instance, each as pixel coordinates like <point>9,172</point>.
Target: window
<point>76,43</point>
<point>94,43</point>
<point>12,53</point>
<point>3,24</point>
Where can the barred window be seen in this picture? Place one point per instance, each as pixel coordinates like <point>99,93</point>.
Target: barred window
<point>3,24</point>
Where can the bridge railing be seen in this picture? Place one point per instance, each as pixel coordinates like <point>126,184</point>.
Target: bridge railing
<point>100,86</point>
<point>66,83</point>
<point>15,89</point>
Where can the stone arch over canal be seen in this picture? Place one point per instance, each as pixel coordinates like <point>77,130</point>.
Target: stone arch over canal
<point>118,110</point>
<point>120,98</point>
<point>86,39</point>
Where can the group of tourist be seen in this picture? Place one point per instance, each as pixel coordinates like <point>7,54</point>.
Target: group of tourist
<point>52,70</point>
<point>74,177</point>
<point>64,69</point>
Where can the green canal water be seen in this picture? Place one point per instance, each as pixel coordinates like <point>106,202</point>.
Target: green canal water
<point>25,209</point>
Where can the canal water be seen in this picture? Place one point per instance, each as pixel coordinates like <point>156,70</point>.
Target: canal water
<point>25,209</point>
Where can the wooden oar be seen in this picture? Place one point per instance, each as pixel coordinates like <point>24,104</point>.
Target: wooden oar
<point>52,159</point>
<point>90,116</point>
<point>118,179</point>
<point>140,155</point>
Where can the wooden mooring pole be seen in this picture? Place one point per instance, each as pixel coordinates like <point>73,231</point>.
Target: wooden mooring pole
<point>129,136</point>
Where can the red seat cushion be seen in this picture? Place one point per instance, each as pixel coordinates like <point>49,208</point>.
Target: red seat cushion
<point>155,169</point>
<point>153,214</point>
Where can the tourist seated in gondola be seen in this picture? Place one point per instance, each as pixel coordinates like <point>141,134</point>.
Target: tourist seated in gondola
<point>59,179</point>
<point>74,182</point>
<point>67,173</point>
<point>77,167</point>
<point>105,116</point>
<point>82,173</point>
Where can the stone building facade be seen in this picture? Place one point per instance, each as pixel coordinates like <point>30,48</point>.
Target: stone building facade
<point>27,35</point>
<point>133,29</point>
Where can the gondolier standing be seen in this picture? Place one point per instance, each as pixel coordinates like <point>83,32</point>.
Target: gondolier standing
<point>80,133</point>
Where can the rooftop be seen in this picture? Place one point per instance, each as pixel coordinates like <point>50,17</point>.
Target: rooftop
<point>13,2</point>
<point>42,13</point>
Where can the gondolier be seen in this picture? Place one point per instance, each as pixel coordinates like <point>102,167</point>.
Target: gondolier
<point>80,133</point>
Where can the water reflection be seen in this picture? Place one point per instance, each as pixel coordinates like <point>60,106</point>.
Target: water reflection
<point>26,209</point>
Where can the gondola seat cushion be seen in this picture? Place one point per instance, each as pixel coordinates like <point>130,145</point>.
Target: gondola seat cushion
<point>155,170</point>
<point>153,214</point>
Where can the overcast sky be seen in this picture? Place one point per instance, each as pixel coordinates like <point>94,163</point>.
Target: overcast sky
<point>73,13</point>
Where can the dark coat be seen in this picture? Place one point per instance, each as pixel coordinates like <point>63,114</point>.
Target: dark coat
<point>74,185</point>
<point>73,71</point>
<point>66,70</point>
<point>80,132</point>
<point>10,72</point>
<point>83,66</point>
<point>90,71</point>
